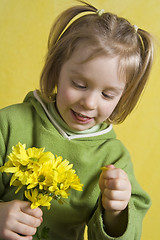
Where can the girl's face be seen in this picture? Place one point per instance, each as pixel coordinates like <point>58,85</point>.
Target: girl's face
<point>87,93</point>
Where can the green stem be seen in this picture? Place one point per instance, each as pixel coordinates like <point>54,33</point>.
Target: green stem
<point>38,235</point>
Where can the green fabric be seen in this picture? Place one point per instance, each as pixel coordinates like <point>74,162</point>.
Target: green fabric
<point>27,123</point>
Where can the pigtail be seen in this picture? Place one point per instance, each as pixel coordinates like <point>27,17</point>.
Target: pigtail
<point>137,82</point>
<point>145,42</point>
<point>147,49</point>
<point>64,19</point>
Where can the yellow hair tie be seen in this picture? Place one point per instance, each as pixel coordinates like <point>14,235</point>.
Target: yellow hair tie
<point>99,12</point>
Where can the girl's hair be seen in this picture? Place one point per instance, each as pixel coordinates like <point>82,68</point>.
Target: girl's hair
<point>106,34</point>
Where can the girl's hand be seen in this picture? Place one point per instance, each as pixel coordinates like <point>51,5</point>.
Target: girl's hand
<point>116,189</point>
<point>116,192</point>
<point>18,221</point>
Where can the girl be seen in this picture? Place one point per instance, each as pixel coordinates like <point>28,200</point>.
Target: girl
<point>96,68</point>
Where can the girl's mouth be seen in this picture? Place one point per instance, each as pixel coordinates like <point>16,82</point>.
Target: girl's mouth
<point>81,118</point>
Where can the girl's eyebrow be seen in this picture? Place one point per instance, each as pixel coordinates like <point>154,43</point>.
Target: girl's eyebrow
<point>115,89</point>
<point>78,73</point>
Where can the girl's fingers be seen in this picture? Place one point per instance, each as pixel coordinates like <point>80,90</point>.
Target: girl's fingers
<point>23,229</point>
<point>116,195</point>
<point>19,221</point>
<point>117,184</point>
<point>28,220</point>
<point>115,173</point>
<point>15,236</point>
<point>115,187</point>
<point>25,221</point>
<point>113,205</point>
<point>36,212</point>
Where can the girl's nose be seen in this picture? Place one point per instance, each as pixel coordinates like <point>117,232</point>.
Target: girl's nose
<point>89,101</point>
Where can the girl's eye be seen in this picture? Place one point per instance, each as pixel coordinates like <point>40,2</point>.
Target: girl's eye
<point>78,84</point>
<point>107,96</point>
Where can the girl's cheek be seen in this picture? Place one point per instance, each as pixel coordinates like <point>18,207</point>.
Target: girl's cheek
<point>71,96</point>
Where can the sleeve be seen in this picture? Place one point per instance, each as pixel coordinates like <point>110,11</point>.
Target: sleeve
<point>9,134</point>
<point>3,136</point>
<point>138,205</point>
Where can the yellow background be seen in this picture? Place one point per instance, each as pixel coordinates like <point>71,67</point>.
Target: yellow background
<point>24,29</point>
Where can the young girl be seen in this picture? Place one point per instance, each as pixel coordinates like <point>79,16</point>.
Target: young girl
<point>96,68</point>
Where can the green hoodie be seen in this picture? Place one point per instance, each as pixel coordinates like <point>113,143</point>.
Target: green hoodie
<point>30,123</point>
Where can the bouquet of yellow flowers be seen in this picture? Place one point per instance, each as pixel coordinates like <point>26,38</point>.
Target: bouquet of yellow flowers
<point>44,175</point>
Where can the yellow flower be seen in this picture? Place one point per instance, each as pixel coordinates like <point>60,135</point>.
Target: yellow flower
<point>44,175</point>
<point>38,199</point>
<point>17,158</point>
<point>35,153</point>
<point>19,155</point>
<point>17,164</point>
<point>37,161</point>
<point>17,184</point>
<point>64,166</point>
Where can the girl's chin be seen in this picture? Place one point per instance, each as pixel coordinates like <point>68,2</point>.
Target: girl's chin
<point>80,127</point>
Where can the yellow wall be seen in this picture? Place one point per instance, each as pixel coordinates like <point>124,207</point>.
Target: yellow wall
<point>24,28</point>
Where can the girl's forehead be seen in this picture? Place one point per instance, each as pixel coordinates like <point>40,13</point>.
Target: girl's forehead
<point>83,52</point>
<point>97,69</point>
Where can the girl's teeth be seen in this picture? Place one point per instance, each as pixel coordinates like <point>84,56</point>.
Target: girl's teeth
<point>81,115</point>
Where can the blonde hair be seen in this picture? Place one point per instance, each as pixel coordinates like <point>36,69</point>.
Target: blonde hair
<point>107,34</point>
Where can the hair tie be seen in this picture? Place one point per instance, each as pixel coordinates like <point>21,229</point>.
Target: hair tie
<point>135,28</point>
<point>99,12</point>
